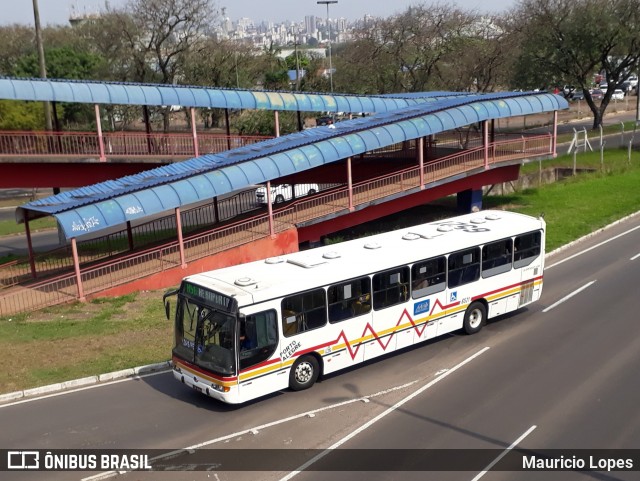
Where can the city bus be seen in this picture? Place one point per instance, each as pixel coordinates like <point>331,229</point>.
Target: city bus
<point>248,330</point>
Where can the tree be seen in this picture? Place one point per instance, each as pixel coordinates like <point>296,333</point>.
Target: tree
<point>568,41</point>
<point>159,34</point>
<point>16,41</point>
<point>409,52</point>
<point>481,57</point>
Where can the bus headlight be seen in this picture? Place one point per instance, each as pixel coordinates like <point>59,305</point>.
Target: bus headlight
<point>219,388</point>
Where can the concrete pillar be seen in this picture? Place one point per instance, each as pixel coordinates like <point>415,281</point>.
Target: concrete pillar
<point>276,115</point>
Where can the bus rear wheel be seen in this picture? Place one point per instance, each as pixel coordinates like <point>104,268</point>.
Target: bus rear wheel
<point>304,373</point>
<point>475,317</point>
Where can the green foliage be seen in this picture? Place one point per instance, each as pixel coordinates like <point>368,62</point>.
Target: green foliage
<point>63,62</point>
<point>19,115</point>
<point>262,122</point>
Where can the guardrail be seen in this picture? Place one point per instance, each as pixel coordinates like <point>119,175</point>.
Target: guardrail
<point>109,274</point>
<point>117,144</point>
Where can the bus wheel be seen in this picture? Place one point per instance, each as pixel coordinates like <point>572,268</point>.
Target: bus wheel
<point>304,373</point>
<point>475,317</point>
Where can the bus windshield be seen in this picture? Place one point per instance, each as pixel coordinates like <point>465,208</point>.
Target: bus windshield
<point>205,336</point>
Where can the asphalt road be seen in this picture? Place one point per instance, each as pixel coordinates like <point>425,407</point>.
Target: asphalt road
<point>553,376</point>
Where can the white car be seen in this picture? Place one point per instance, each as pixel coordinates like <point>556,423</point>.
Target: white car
<point>283,192</point>
<point>618,94</point>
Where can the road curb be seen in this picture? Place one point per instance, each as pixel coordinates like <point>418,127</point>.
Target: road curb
<point>86,381</point>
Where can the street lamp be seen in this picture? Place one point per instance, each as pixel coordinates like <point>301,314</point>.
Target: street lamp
<point>327,3</point>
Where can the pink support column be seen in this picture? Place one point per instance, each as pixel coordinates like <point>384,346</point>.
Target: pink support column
<point>183,264</point>
<point>554,139</point>
<point>485,142</point>
<point>350,184</point>
<point>277,121</point>
<point>193,132</point>
<point>421,160</point>
<point>272,231</point>
<point>76,266</point>
<point>27,231</point>
<point>103,158</point>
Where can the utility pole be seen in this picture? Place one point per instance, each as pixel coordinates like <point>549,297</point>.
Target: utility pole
<point>327,3</point>
<point>43,68</point>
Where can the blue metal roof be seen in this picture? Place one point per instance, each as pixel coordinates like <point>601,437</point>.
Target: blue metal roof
<point>115,202</point>
<point>82,91</point>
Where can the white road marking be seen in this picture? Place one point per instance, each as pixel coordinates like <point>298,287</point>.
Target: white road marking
<point>566,298</point>
<point>371,422</point>
<point>592,247</point>
<point>634,257</point>
<point>110,474</point>
<point>502,455</point>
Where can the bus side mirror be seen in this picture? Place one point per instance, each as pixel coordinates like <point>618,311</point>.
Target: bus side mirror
<point>167,304</point>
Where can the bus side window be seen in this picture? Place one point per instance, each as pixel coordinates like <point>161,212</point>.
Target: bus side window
<point>464,267</point>
<point>349,299</point>
<point>496,258</point>
<point>428,277</point>
<point>304,312</point>
<point>526,249</point>
<point>390,287</point>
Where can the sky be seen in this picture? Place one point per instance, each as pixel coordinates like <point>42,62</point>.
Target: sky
<point>56,12</point>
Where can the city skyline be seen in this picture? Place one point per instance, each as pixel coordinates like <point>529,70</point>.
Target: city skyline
<point>56,12</point>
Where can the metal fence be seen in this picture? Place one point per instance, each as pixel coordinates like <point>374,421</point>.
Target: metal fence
<point>117,144</point>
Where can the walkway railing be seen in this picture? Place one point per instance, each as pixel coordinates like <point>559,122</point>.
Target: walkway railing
<point>99,277</point>
<point>116,144</point>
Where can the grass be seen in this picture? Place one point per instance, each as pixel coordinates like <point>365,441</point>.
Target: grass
<point>8,227</point>
<point>82,339</point>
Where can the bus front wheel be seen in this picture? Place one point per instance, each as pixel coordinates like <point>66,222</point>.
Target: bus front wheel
<point>475,317</point>
<point>304,373</point>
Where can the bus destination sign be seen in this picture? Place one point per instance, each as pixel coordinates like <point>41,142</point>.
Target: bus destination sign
<point>217,300</point>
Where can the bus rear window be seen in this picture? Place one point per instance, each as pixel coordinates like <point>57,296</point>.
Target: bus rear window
<point>526,249</point>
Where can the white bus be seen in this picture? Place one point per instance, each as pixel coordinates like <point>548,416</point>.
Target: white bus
<point>245,331</point>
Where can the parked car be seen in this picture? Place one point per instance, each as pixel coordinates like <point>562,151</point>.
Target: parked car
<point>577,95</point>
<point>618,94</point>
<point>597,94</point>
<point>633,80</point>
<point>284,192</point>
